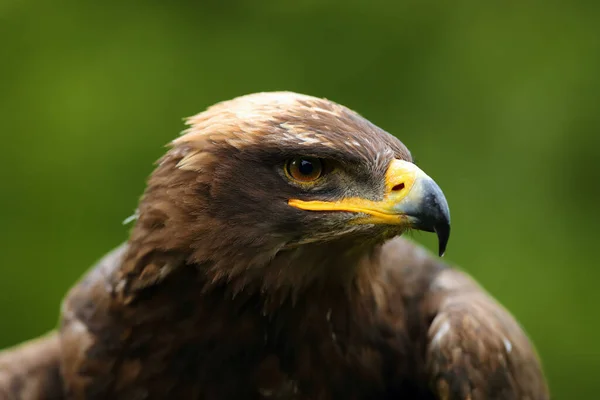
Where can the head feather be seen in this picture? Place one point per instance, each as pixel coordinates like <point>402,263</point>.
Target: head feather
<point>283,119</point>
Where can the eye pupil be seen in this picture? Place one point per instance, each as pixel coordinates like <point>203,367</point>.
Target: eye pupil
<point>305,167</point>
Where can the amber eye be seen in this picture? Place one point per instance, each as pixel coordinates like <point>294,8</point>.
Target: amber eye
<point>304,169</point>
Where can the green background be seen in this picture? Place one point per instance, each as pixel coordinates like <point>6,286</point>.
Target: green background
<point>498,101</point>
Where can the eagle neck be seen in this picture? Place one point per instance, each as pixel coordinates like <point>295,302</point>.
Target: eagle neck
<point>311,271</point>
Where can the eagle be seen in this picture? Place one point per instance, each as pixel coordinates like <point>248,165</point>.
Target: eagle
<point>267,262</point>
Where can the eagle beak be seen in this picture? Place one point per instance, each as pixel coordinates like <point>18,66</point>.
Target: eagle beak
<point>411,199</point>
<point>423,205</point>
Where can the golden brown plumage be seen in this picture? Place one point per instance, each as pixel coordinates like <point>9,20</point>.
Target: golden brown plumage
<point>241,281</point>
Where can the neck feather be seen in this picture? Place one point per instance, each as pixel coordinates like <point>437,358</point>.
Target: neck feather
<point>284,276</point>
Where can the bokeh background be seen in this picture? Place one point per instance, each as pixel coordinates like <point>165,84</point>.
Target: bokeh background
<point>498,101</point>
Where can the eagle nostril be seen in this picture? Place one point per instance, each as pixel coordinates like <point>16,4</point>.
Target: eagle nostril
<point>398,187</point>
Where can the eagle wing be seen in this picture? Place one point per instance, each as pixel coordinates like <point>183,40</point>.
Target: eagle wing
<point>60,364</point>
<point>32,370</point>
<point>89,338</point>
<point>474,349</point>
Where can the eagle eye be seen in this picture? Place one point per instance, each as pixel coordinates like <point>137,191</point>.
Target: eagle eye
<point>304,169</point>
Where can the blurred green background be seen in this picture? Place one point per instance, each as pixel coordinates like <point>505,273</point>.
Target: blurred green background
<point>498,101</point>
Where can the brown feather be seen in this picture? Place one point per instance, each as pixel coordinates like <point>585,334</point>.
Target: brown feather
<point>31,370</point>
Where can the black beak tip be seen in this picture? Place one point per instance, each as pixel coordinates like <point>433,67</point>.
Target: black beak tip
<point>443,233</point>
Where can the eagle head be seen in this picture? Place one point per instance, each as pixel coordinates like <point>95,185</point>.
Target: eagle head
<point>281,175</point>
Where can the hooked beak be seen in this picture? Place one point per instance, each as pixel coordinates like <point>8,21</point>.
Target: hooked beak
<point>411,199</point>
